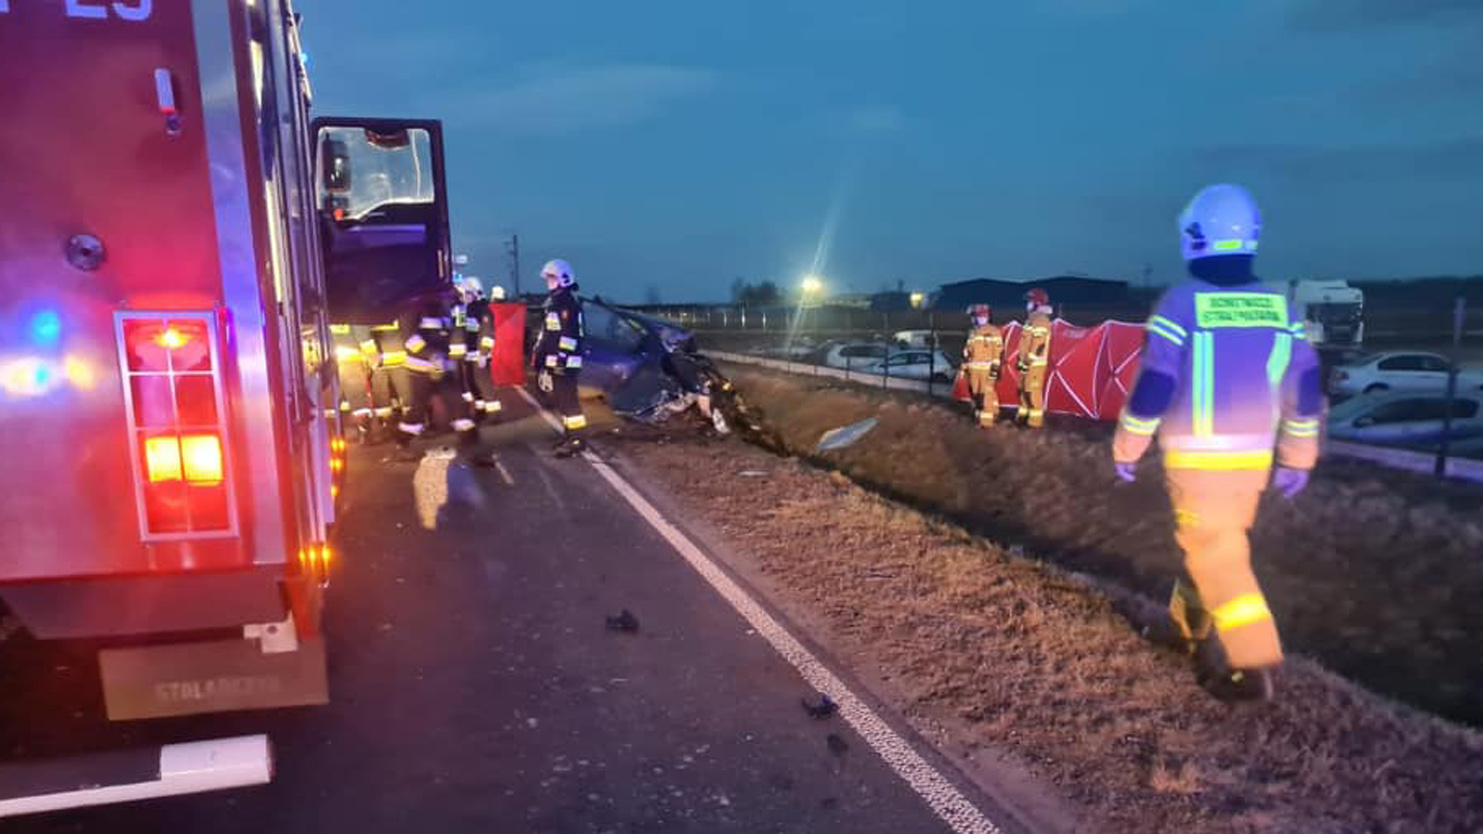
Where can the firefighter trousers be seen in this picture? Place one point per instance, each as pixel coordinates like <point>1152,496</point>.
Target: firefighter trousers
<point>479,390</point>
<point>565,397</point>
<point>417,390</point>
<point>1032,396</point>
<point>1213,512</point>
<point>982,384</point>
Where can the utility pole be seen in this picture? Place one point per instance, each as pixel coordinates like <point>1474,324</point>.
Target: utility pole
<point>514,249</point>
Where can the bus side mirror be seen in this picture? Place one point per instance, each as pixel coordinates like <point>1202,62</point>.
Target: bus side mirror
<point>335,163</point>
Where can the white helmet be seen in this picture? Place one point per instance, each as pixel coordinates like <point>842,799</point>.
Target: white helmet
<point>561,271</point>
<point>470,287</point>
<point>496,293</point>
<point>1220,220</point>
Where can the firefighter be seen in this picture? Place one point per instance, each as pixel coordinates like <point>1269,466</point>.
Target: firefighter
<point>355,372</point>
<point>473,344</point>
<point>981,358</point>
<point>1226,375</point>
<point>558,352</point>
<point>1034,359</point>
<point>381,345</point>
<point>427,372</point>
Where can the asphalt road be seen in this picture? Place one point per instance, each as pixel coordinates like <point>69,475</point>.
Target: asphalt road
<point>476,687</point>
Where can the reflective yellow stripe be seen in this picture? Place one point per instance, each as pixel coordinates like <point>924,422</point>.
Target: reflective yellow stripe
<point>573,423</point>
<point>421,365</point>
<point>553,321</point>
<point>1159,328</point>
<point>1169,324</point>
<point>1241,611</point>
<point>416,343</point>
<point>1218,461</point>
<point>458,350</point>
<point>340,329</point>
<point>567,343</point>
<point>486,343</point>
<point>368,347</point>
<point>383,328</point>
<point>1300,428</point>
<point>1137,425</point>
<point>394,357</point>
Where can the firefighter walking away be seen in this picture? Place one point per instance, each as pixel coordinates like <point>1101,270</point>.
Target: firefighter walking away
<point>558,353</point>
<point>981,357</point>
<point>1226,376</point>
<point>1034,361</point>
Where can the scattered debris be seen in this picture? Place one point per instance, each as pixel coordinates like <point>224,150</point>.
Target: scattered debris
<point>820,707</point>
<point>838,746</point>
<point>845,435</point>
<point>625,621</point>
<point>752,473</point>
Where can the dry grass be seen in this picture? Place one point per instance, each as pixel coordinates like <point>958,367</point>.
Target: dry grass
<point>1376,573</point>
<point>1013,654</point>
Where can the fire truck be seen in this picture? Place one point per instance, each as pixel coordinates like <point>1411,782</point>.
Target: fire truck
<point>175,234</point>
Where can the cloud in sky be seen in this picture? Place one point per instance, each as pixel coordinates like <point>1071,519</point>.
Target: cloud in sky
<point>560,101</point>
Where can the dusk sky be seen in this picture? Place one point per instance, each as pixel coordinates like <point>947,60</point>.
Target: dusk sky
<point>681,145</point>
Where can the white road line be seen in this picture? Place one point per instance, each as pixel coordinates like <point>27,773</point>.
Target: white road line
<point>945,800</point>
<point>503,472</point>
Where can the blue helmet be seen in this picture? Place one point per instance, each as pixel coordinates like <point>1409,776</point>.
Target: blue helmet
<point>1221,220</point>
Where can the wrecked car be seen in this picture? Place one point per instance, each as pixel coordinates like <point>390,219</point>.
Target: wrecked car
<point>650,370</point>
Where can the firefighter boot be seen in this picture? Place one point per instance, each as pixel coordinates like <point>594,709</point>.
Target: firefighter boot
<point>571,446</point>
<point>1230,685</point>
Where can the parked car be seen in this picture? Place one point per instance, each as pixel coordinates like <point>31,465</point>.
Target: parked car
<point>920,339</point>
<point>914,364</point>
<point>1399,371</point>
<point>854,356</point>
<point>1410,420</point>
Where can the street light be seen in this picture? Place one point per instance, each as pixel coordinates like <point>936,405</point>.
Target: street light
<point>812,285</point>
<point>917,300</point>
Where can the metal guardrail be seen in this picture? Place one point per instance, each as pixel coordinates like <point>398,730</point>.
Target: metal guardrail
<point>1404,459</point>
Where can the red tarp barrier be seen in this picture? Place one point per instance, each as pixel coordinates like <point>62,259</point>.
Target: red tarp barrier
<point>1091,368</point>
<point>507,365</point>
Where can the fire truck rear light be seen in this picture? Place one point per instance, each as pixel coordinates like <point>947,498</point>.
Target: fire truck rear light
<point>153,408</point>
<point>162,459</point>
<point>195,401</point>
<point>171,377</point>
<point>201,454</point>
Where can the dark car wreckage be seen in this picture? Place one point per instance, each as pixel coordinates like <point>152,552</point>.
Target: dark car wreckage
<point>649,370</point>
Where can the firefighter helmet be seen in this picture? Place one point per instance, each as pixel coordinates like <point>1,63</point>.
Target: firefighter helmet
<point>470,287</point>
<point>1220,220</point>
<point>560,271</point>
<point>1037,297</point>
<point>496,293</point>
<point>980,313</point>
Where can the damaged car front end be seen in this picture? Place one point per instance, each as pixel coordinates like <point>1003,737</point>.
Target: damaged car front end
<point>650,371</point>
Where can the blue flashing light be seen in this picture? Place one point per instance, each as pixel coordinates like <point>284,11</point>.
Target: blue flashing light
<point>42,375</point>
<point>46,328</point>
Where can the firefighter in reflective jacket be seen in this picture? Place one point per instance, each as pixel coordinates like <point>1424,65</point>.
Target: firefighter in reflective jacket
<point>1226,376</point>
<point>355,371</point>
<point>381,347</point>
<point>1034,359</point>
<point>473,344</point>
<point>981,357</point>
<point>558,352</point>
<point>426,370</point>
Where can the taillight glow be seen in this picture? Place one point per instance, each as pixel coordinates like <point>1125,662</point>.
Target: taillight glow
<point>170,339</point>
<point>162,459</point>
<point>202,456</point>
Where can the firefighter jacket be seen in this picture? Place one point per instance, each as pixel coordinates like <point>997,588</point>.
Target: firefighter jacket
<point>559,347</point>
<point>1226,373</point>
<point>1035,340</point>
<point>426,328</point>
<point>984,350</point>
<point>473,332</point>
